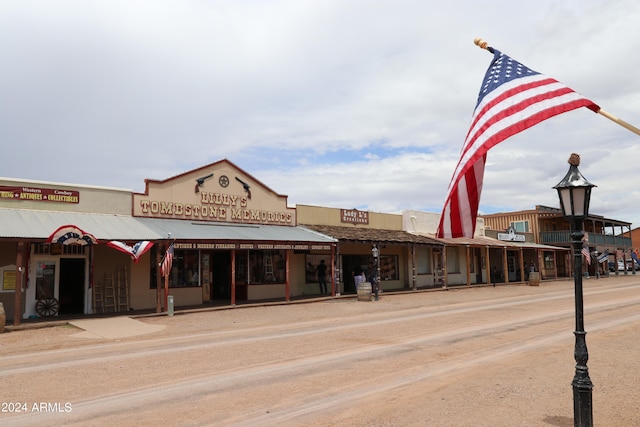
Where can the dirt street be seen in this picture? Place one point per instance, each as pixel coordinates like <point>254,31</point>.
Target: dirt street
<point>481,356</point>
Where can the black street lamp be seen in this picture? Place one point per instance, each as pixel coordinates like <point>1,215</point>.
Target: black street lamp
<point>376,267</point>
<point>574,192</point>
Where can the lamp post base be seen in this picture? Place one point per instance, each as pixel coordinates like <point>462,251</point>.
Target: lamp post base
<point>582,406</point>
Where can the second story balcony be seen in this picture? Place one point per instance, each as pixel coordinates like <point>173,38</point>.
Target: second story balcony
<point>563,238</point>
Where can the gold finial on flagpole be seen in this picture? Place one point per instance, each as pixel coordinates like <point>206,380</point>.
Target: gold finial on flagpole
<point>482,44</point>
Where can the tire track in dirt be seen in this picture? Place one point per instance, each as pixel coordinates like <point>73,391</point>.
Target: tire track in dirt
<point>72,357</point>
<point>109,408</point>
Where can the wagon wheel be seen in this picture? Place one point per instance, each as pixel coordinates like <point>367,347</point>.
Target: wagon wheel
<point>47,307</point>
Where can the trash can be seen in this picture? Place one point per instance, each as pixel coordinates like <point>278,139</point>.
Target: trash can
<point>534,278</point>
<point>364,291</point>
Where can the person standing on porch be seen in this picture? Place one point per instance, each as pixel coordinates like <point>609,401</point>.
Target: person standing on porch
<point>321,270</point>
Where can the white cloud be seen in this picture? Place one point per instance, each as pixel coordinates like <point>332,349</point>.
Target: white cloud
<point>347,104</point>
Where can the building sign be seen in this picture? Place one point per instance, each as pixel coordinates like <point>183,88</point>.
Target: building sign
<point>354,216</point>
<point>261,246</point>
<point>511,236</point>
<point>214,207</point>
<point>8,280</point>
<point>39,194</point>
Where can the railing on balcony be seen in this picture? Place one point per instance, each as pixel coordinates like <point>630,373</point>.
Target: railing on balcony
<point>564,237</point>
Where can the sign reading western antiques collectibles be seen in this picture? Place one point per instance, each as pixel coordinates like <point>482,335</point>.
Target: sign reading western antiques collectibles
<point>39,194</point>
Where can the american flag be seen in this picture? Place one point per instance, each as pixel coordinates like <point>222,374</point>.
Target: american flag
<point>603,256</point>
<point>587,254</point>
<point>167,262</point>
<point>135,251</point>
<point>512,98</point>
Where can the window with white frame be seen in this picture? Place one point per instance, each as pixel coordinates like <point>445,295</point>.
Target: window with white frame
<point>520,226</point>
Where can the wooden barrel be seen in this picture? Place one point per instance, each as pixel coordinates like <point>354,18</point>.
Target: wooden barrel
<point>534,278</point>
<point>3,318</point>
<point>364,291</point>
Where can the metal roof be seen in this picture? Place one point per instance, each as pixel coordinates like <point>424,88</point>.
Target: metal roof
<point>484,241</point>
<point>39,224</point>
<point>205,230</point>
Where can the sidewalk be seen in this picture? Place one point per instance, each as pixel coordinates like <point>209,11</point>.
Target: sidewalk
<point>60,320</point>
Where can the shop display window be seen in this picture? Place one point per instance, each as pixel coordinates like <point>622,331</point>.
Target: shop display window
<point>423,261</point>
<point>364,263</point>
<point>549,261</point>
<point>185,269</point>
<point>389,267</point>
<point>453,260</point>
<point>45,279</point>
<point>312,262</point>
<point>255,267</point>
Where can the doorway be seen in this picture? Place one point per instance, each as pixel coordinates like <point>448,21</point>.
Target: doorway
<point>353,264</point>
<point>221,276</point>
<point>72,284</point>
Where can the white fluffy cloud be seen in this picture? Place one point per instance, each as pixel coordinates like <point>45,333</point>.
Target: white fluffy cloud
<point>347,104</point>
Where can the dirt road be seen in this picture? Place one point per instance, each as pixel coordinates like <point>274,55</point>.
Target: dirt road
<point>465,357</point>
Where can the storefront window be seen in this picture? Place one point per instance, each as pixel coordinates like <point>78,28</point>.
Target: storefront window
<point>312,262</point>
<point>255,267</point>
<point>185,270</point>
<point>389,267</point>
<point>423,261</point>
<point>549,263</point>
<point>364,263</point>
<point>453,260</point>
<point>45,280</point>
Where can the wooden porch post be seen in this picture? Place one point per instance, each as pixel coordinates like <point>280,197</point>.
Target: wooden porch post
<point>414,285</point>
<point>233,277</point>
<point>467,250</point>
<point>158,281</point>
<point>505,265</point>
<point>445,273</point>
<point>487,266</point>
<point>522,267</point>
<point>20,268</point>
<point>332,270</point>
<point>287,286</point>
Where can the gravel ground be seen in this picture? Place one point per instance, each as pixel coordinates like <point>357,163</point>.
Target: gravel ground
<point>467,357</point>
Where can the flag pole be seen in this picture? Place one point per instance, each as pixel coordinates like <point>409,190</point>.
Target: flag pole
<point>619,121</point>
<point>482,44</point>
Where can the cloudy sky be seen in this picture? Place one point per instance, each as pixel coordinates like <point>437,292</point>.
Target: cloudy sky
<point>342,103</point>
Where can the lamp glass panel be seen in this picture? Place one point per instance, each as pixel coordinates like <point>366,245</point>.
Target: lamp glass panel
<point>565,198</point>
<point>579,194</point>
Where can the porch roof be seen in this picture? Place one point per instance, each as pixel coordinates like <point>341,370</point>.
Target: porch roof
<point>39,224</point>
<point>372,235</point>
<point>484,241</point>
